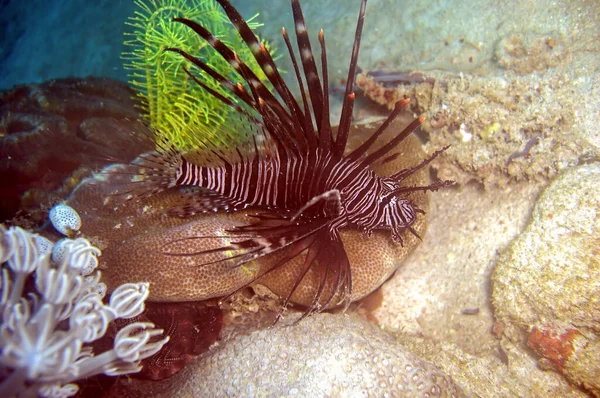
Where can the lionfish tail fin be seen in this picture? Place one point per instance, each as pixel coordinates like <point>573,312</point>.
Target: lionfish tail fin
<point>151,173</point>
<point>193,200</point>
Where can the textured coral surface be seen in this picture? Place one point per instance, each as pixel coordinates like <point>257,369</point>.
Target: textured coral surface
<point>51,134</point>
<point>344,356</point>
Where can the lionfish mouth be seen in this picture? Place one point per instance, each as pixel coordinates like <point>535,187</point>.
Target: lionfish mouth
<point>292,171</point>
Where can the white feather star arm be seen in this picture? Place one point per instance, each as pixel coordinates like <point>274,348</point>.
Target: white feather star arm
<point>44,332</point>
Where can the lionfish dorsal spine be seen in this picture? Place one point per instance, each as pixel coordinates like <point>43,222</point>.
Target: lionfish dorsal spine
<point>348,104</point>
<point>291,170</point>
<point>326,134</point>
<point>306,119</point>
<point>309,66</point>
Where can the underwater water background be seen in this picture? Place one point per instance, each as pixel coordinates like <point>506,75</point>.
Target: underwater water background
<point>43,40</point>
<point>508,75</point>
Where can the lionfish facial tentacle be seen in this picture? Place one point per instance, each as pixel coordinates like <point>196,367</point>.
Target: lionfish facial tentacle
<point>431,187</point>
<point>412,231</point>
<point>348,105</point>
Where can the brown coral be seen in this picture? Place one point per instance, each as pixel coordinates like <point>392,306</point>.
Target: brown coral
<point>49,131</point>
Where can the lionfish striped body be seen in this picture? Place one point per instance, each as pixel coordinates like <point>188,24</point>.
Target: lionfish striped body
<point>296,175</point>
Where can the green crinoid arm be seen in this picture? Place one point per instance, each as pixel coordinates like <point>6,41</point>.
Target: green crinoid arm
<point>177,108</point>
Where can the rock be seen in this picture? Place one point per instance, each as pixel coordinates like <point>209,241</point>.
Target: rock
<point>323,355</point>
<point>545,286</point>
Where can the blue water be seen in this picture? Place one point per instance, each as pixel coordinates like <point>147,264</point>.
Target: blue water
<point>42,40</point>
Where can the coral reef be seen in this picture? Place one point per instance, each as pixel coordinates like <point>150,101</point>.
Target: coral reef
<point>545,286</point>
<point>136,238</point>
<point>344,356</point>
<point>432,299</point>
<point>491,374</point>
<point>527,52</point>
<point>52,134</point>
<point>489,120</point>
<point>46,333</point>
<point>175,106</point>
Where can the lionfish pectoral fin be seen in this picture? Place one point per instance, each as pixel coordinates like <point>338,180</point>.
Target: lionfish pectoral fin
<point>335,274</point>
<point>195,201</point>
<point>331,201</point>
<point>326,257</point>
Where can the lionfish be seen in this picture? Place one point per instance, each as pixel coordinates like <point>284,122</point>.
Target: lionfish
<point>292,169</point>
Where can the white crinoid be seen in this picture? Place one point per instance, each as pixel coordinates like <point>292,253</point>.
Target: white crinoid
<point>45,333</point>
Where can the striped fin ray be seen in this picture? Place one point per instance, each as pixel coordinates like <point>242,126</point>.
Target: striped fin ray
<point>235,89</point>
<point>348,105</point>
<point>264,59</point>
<point>402,174</point>
<point>259,92</point>
<point>325,255</point>
<point>308,126</point>
<point>328,253</point>
<point>152,172</point>
<point>378,154</point>
<point>221,97</point>
<point>255,101</point>
<point>229,55</point>
<point>325,133</point>
<point>307,59</point>
<point>361,150</point>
